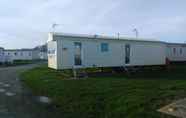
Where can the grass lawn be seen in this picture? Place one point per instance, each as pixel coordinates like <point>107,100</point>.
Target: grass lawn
<point>116,96</point>
<point>23,62</point>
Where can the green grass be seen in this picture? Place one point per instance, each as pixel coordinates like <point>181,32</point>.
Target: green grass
<point>23,62</point>
<point>20,62</point>
<point>117,96</point>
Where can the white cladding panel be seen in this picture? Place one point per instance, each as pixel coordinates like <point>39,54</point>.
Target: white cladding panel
<point>148,53</point>
<point>142,53</point>
<point>92,54</point>
<point>176,52</point>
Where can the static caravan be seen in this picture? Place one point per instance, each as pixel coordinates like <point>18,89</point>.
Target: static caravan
<point>176,52</point>
<point>67,51</point>
<point>4,58</point>
<point>22,54</point>
<point>1,55</point>
<point>19,54</point>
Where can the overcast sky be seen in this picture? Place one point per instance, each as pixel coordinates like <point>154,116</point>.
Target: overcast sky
<point>26,23</point>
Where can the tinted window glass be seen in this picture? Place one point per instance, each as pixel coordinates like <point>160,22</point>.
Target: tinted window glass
<point>104,47</point>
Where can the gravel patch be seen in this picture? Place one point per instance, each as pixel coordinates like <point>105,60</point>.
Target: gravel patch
<point>9,94</point>
<point>2,90</point>
<point>1,83</point>
<point>6,85</point>
<point>44,99</point>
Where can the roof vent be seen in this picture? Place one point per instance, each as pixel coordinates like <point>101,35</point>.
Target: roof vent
<point>95,36</point>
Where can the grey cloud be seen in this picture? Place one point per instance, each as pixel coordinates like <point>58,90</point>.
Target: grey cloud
<point>27,22</point>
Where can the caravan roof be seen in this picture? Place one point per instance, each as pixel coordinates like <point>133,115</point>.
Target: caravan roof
<point>102,37</point>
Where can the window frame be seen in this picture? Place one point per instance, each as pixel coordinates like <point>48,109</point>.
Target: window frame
<point>127,53</point>
<point>104,47</point>
<point>174,51</point>
<point>181,51</point>
<point>78,60</point>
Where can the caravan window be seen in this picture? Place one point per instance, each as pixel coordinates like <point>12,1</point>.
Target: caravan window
<point>51,51</point>
<point>174,50</point>
<point>127,53</point>
<point>104,47</point>
<point>181,51</point>
<point>78,55</point>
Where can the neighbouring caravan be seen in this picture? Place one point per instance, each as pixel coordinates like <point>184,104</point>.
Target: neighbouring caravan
<point>1,55</point>
<point>22,54</point>
<point>11,55</point>
<point>67,51</point>
<point>4,58</point>
<point>43,55</point>
<point>176,52</point>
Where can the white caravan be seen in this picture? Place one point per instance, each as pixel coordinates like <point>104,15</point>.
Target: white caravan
<point>68,51</point>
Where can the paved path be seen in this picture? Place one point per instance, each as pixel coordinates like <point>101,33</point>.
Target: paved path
<point>16,101</point>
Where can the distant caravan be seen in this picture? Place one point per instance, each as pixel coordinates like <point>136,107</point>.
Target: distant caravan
<point>4,58</point>
<point>176,52</point>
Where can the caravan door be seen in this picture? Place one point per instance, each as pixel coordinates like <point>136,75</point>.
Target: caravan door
<point>127,54</point>
<point>77,54</point>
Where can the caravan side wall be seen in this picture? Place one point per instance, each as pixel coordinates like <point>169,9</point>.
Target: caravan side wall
<point>148,53</point>
<point>91,53</point>
<point>141,53</point>
<point>35,55</point>
<point>176,53</point>
<point>19,55</point>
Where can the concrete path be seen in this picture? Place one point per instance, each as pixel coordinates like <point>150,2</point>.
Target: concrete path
<point>177,109</point>
<point>16,101</point>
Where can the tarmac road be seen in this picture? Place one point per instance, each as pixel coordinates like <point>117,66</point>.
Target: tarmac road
<point>16,101</point>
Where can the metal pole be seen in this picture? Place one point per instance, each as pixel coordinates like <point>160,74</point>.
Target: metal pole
<point>136,32</point>
<point>54,26</point>
<point>118,35</point>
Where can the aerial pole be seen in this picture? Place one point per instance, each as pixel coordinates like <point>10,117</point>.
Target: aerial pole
<point>118,35</point>
<point>54,25</point>
<point>136,32</point>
